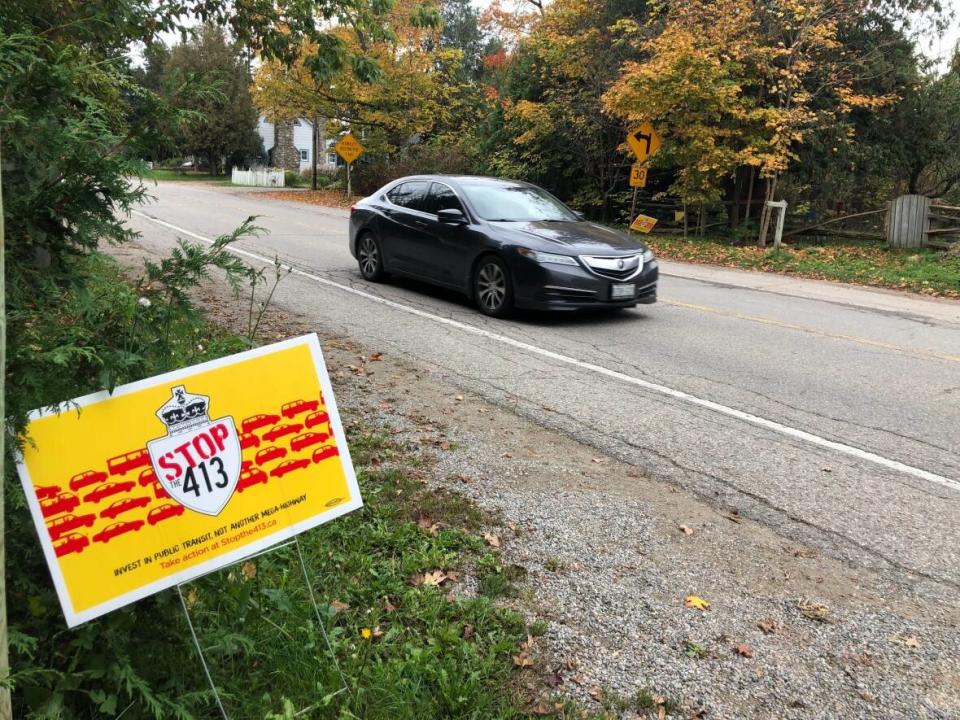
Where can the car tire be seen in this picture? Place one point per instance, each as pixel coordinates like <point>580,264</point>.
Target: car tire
<point>492,287</point>
<point>370,258</point>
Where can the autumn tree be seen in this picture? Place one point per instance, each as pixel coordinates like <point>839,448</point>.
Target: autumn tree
<point>546,121</point>
<point>416,93</point>
<point>741,83</point>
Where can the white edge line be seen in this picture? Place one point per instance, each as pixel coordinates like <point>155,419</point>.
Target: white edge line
<point>600,370</point>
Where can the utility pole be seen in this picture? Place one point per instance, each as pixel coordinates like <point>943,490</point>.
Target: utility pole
<point>313,155</point>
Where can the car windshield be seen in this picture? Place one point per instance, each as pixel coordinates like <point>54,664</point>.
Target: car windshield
<point>516,203</point>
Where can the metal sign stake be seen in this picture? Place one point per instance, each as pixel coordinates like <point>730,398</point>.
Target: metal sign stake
<point>316,610</point>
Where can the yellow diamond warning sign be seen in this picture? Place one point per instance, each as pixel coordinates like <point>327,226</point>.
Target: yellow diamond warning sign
<point>173,477</point>
<point>643,223</point>
<point>349,148</point>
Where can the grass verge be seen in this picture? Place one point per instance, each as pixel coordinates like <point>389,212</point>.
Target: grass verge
<point>408,648</point>
<point>920,270</point>
<point>192,176</point>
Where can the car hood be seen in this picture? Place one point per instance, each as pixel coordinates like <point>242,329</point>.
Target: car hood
<point>571,238</point>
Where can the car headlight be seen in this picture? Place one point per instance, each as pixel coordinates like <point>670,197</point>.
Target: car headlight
<point>647,256</point>
<point>542,257</point>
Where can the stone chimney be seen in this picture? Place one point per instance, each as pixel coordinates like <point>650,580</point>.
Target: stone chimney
<point>285,153</point>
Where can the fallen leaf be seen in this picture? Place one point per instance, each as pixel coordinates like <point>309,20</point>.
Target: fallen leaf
<point>192,598</point>
<point>376,356</point>
<point>686,530</point>
<point>541,709</point>
<point>389,606</point>
<point>507,455</point>
<point>249,570</point>
<point>910,642</point>
<point>600,461</point>
<point>569,663</point>
<point>433,578</point>
<point>733,516</point>
<point>695,602</point>
<point>744,650</point>
<point>805,553</point>
<point>826,469</point>
<point>377,632</point>
<point>552,680</point>
<point>459,398</point>
<point>662,713</point>
<point>469,631</point>
<point>768,626</point>
<point>596,693</point>
<point>339,606</point>
<point>814,610</point>
<point>523,659</point>
<point>492,540</point>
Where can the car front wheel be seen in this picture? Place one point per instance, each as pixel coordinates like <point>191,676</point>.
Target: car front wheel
<point>492,289</point>
<point>370,258</point>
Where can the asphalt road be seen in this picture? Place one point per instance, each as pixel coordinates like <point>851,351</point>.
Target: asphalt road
<point>830,413</point>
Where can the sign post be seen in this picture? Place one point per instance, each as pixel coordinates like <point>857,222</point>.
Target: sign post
<point>349,148</point>
<point>645,142</point>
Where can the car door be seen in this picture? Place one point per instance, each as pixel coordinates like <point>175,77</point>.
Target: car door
<point>447,246</point>
<point>404,224</point>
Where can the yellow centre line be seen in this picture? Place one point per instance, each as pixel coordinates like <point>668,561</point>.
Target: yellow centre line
<point>815,331</point>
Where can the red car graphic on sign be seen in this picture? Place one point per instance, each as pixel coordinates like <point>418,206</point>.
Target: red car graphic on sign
<point>317,418</point>
<point>108,489</point>
<point>164,512</point>
<point>255,422</point>
<point>159,492</point>
<point>270,453</point>
<point>282,430</point>
<point>67,523</point>
<point>323,453</point>
<point>72,543</point>
<point>249,440</point>
<point>288,466</point>
<point>63,503</point>
<point>292,409</point>
<point>308,439</point>
<point>90,477</point>
<point>118,528</point>
<point>147,477</point>
<point>47,492</point>
<point>122,464</point>
<point>249,478</point>
<point>124,505</point>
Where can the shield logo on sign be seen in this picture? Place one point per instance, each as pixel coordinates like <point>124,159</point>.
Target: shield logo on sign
<point>198,463</point>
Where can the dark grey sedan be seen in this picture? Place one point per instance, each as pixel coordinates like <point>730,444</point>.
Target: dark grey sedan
<point>503,243</point>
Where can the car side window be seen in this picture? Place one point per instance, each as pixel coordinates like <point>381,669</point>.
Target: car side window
<point>409,195</point>
<point>443,198</point>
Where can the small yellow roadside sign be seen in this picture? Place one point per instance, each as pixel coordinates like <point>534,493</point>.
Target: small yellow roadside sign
<point>643,223</point>
<point>349,148</point>
<point>644,142</point>
<point>638,176</point>
<point>170,478</point>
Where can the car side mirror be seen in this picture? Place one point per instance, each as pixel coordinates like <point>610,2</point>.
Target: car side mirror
<point>580,215</point>
<point>451,216</point>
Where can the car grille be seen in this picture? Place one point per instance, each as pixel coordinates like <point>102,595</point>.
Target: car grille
<point>614,268</point>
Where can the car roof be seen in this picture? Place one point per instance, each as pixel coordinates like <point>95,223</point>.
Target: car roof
<point>463,179</point>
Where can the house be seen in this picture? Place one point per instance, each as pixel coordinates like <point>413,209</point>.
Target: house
<point>289,144</point>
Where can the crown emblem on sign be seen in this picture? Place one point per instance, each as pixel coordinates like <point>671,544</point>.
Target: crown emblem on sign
<point>184,411</point>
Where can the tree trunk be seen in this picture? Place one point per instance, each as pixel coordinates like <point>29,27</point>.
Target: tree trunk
<point>765,213</point>
<point>702,221</point>
<point>686,223</point>
<point>753,179</point>
<point>6,710</point>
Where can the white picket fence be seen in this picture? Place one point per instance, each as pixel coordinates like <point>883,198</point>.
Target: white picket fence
<point>258,178</point>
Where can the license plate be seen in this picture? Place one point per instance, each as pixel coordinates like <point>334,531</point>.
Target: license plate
<point>619,292</point>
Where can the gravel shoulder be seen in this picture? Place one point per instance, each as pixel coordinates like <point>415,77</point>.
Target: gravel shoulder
<point>610,557</point>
